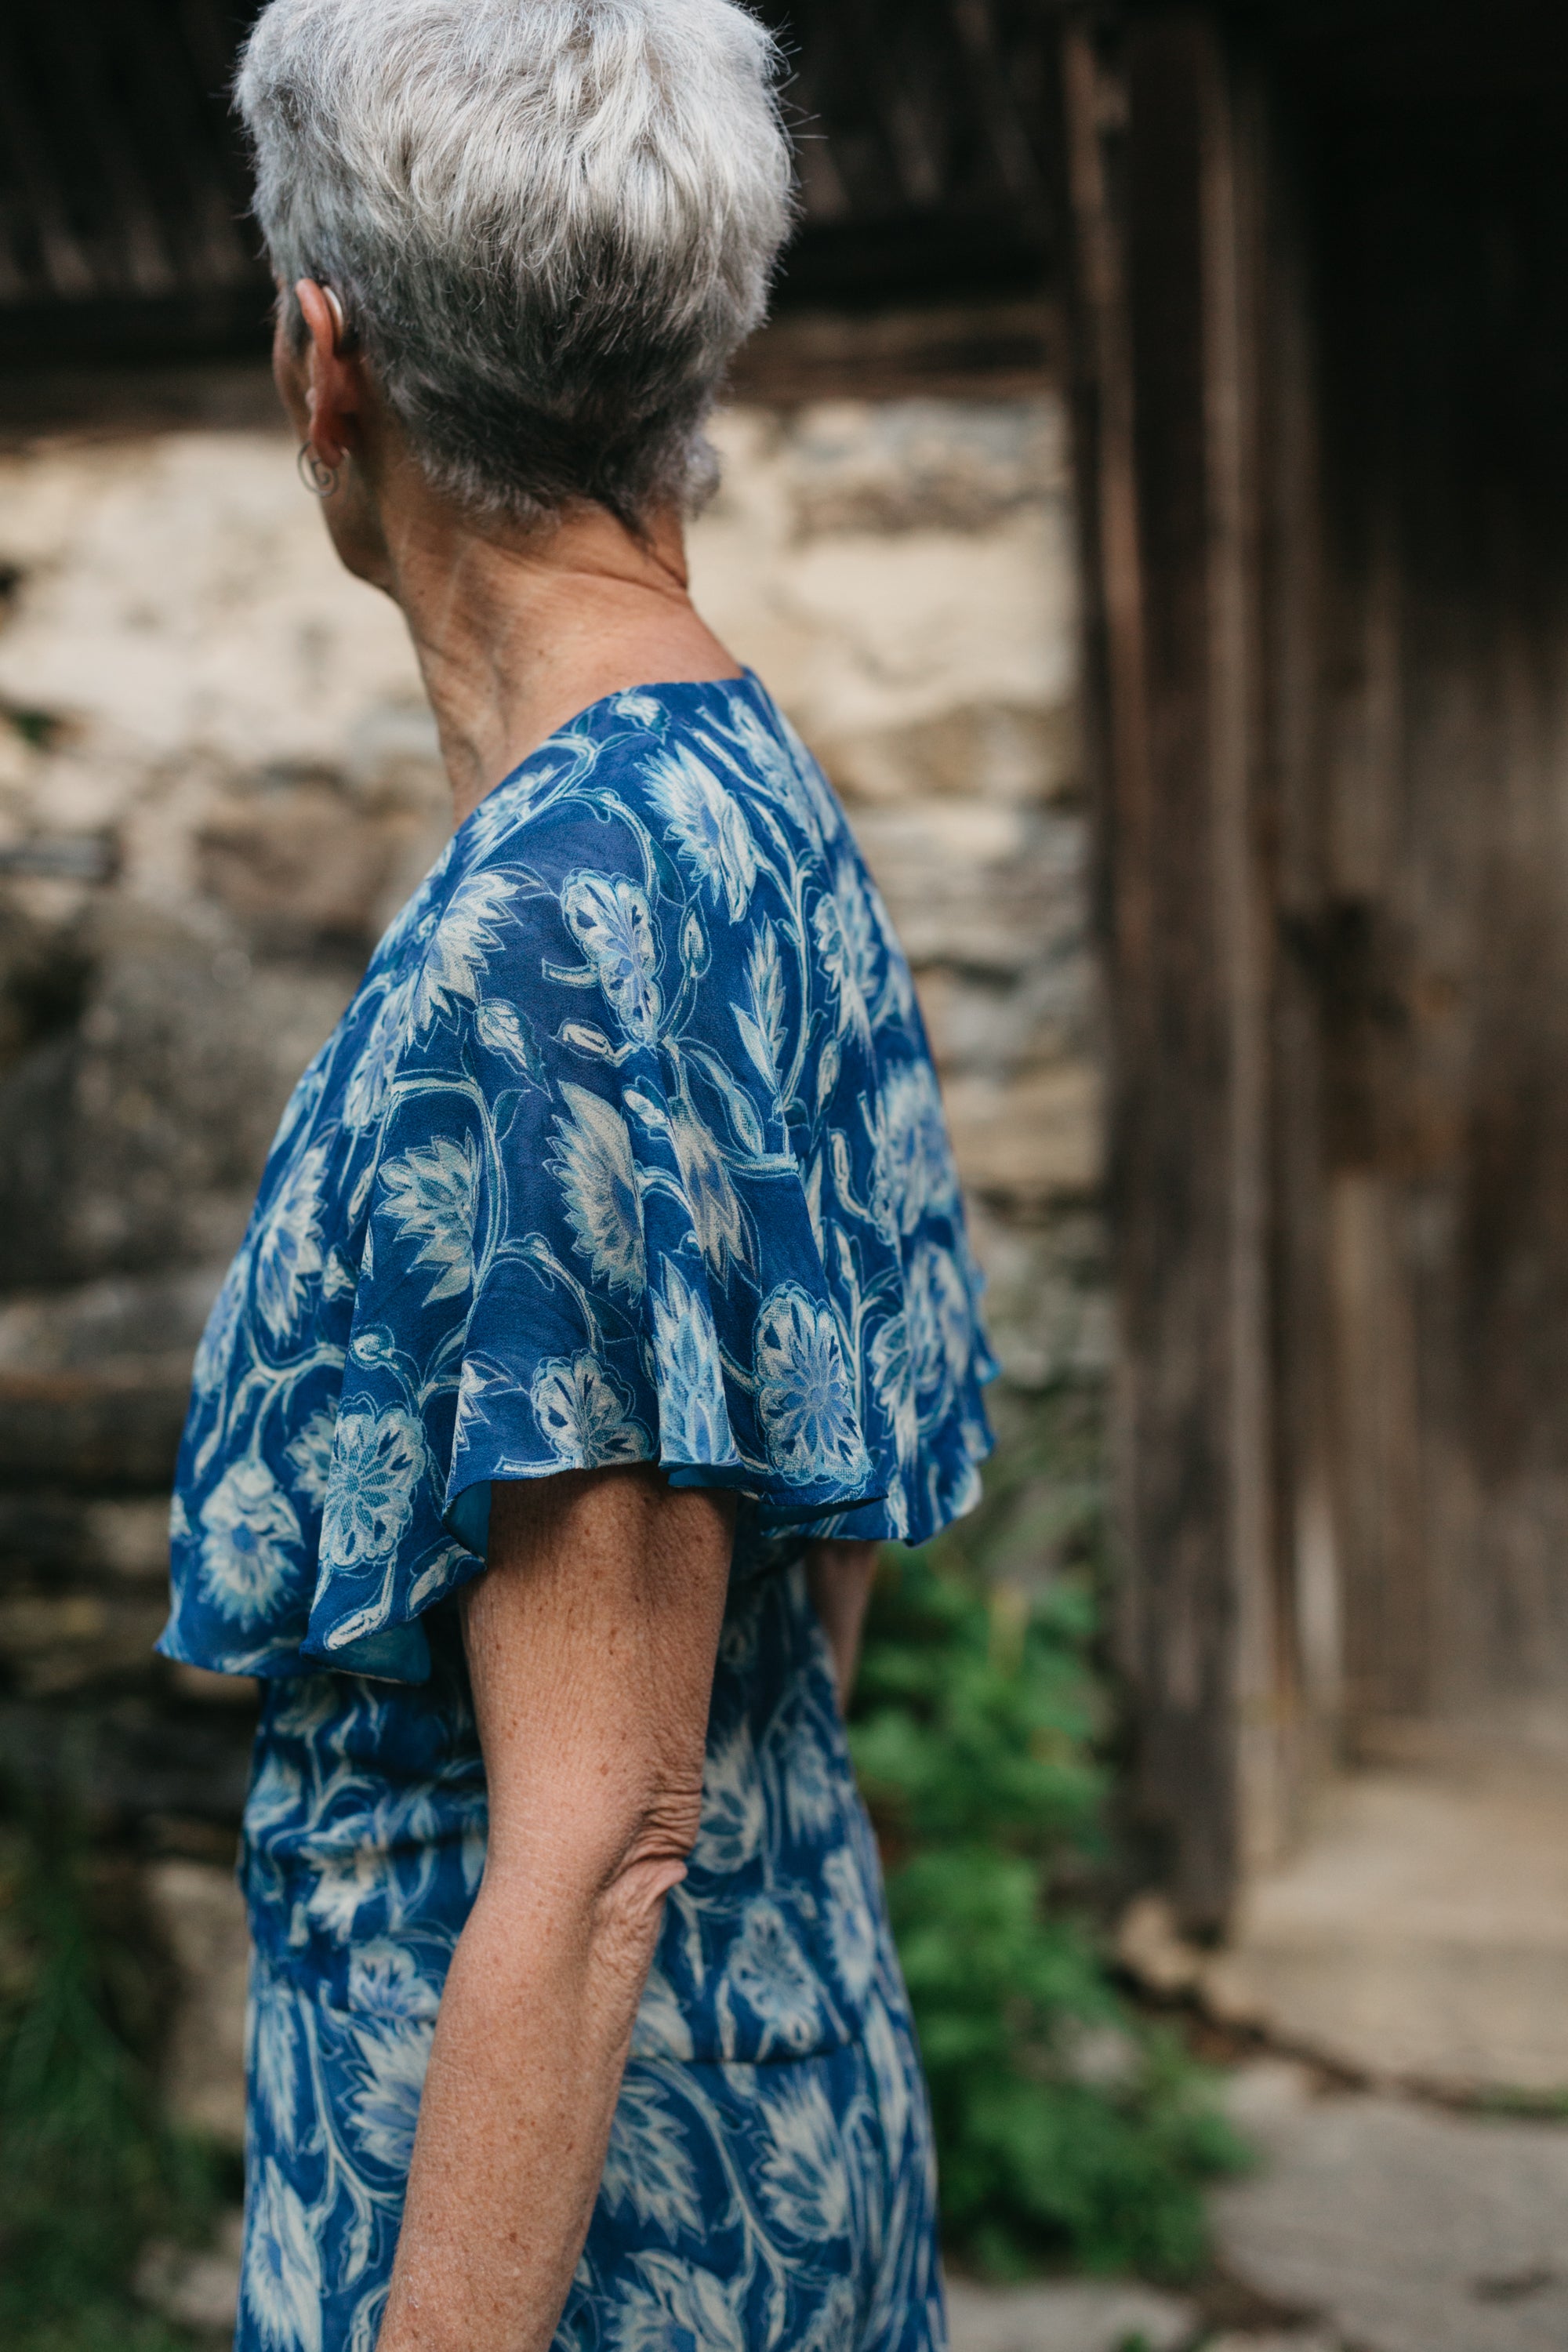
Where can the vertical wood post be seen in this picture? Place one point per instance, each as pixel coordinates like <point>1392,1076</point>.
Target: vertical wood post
<point>1166,274</point>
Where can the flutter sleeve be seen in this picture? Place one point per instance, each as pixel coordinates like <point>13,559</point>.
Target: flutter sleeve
<point>642,1195</point>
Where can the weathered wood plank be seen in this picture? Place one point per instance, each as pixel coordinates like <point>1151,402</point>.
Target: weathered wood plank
<point>1168,289</point>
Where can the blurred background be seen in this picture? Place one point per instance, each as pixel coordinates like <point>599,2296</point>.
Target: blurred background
<point>1149,501</point>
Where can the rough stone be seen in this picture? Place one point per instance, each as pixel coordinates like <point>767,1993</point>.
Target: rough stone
<point>1404,2229</point>
<point>226,782</point>
<point>988,888</point>
<point>164,1764</point>
<point>1072,2316</point>
<point>300,864</point>
<point>93,1386</point>
<point>133,1139</point>
<point>1033,1141</point>
<point>1293,2339</point>
<point>57,1642</point>
<point>1005,752</point>
<point>200,1911</point>
<point>921,465</point>
<point>242,723</point>
<point>124,1542</point>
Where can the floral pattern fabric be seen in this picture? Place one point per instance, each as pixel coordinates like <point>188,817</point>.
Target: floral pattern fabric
<point>628,1147</point>
<point>770,2181</point>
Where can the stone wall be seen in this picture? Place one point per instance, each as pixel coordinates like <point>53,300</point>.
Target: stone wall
<point>217,779</point>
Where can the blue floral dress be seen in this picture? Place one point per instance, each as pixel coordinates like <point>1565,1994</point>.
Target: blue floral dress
<point>628,1148</point>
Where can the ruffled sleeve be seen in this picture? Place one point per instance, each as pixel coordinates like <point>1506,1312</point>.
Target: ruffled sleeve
<point>644,1192</point>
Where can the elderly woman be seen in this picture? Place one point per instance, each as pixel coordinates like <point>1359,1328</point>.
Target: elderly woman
<point>606,1301</point>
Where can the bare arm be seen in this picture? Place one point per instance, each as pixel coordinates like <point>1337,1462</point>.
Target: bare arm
<point>839,1576</point>
<point>591,1647</point>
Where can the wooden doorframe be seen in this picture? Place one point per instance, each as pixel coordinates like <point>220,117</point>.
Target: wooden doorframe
<point>1166,142</point>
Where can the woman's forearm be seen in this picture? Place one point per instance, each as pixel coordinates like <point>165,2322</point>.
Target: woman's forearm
<point>590,1643</point>
<point>529,2048</point>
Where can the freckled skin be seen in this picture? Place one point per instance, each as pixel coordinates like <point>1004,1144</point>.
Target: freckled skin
<point>591,1644</point>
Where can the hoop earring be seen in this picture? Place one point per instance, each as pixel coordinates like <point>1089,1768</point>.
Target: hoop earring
<point>319,478</point>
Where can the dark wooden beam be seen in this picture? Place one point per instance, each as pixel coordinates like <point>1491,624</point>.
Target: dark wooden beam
<point>1164,173</point>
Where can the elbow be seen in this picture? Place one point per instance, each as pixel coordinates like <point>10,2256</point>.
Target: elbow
<point>590,1878</point>
<point>628,1909</point>
<point>648,1861</point>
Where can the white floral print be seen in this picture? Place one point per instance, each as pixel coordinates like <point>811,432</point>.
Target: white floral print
<point>914,1166</point>
<point>343,1884</point>
<point>768,1971</point>
<point>273,2062</point>
<point>812,1791</point>
<point>706,820</point>
<point>377,1459</point>
<point>804,2178</point>
<point>582,1412</point>
<point>768,2178</point>
<point>310,1455</point>
<point>761,1021</point>
<point>848,941</point>
<point>734,1816</point>
<point>431,1196</point>
<point>851,1925</point>
<point>609,919</point>
<point>387,2071</point>
<point>289,1246</point>
<point>693,1418</point>
<point>211,1367</point>
<point>464,939</point>
<point>715,1211</point>
<point>647,2166</point>
<point>506,1029</point>
<point>593,1161</point>
<point>283,2268</point>
<point>661,2030</point>
<point>370,1080</point>
<point>250,1543</point>
<point>941,1319</point>
<point>630,1147</point>
<point>803,1396</point>
<point>893,1372</point>
<point>383,1982</point>
<point>666,2301</point>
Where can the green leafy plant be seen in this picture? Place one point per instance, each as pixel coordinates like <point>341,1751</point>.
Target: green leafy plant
<point>89,2168</point>
<point>1067,2128</point>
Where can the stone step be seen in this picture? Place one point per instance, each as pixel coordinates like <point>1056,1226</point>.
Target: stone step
<point>94,1379</point>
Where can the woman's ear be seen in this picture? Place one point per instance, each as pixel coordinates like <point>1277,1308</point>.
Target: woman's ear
<point>334,379</point>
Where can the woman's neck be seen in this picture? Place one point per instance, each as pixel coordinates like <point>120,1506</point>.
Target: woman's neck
<point>516,633</point>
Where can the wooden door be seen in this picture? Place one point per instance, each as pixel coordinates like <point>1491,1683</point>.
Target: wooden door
<point>1322,318</point>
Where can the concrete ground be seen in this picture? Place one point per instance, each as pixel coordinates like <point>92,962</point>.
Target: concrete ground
<point>1401,2228</point>
<point>1421,1933</point>
<point>1372,2224</point>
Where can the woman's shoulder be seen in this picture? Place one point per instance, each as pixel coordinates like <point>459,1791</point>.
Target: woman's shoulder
<point>708,774</point>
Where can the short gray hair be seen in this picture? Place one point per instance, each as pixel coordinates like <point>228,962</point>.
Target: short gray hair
<point>550,222</point>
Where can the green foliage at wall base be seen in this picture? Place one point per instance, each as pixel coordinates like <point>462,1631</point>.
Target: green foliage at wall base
<point>1067,2128</point>
<point>89,2168</point>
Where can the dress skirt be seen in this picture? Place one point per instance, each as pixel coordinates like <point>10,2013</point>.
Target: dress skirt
<point>770,2181</point>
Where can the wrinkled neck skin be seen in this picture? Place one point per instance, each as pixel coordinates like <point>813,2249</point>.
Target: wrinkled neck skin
<point>516,630</point>
<point>516,633</point>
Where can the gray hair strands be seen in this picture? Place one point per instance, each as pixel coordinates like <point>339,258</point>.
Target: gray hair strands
<point>550,223</point>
